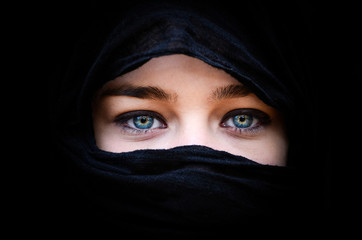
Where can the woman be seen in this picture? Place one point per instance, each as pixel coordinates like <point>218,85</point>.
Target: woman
<point>187,121</point>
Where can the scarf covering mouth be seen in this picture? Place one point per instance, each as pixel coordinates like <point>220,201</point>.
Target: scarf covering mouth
<point>180,191</point>
<point>188,189</point>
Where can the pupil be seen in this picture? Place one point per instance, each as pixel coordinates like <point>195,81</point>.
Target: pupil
<point>143,120</point>
<point>242,118</point>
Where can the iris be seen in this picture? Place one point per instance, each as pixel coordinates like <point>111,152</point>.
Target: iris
<point>243,121</point>
<point>143,122</point>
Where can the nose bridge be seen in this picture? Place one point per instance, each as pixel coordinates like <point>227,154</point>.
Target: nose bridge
<point>194,136</point>
<point>193,129</point>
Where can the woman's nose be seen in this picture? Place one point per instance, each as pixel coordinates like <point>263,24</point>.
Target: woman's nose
<point>193,132</point>
<point>191,138</point>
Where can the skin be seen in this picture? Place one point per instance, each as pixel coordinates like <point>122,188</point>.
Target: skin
<point>192,112</point>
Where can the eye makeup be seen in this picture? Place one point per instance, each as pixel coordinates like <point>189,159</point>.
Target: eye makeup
<point>245,122</point>
<point>239,122</point>
<point>140,122</point>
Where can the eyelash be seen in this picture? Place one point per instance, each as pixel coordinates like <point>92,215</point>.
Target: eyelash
<point>124,119</point>
<point>259,120</point>
<point>125,122</point>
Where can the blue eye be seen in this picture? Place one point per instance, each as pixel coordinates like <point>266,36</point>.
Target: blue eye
<point>245,119</point>
<point>242,121</point>
<point>143,122</point>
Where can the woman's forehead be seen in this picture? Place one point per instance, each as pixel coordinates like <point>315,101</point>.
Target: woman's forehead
<point>176,78</point>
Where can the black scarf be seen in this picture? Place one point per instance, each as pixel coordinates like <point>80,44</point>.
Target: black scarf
<point>189,189</point>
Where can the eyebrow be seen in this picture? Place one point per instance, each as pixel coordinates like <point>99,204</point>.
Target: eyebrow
<point>149,92</point>
<point>230,91</point>
<point>156,93</point>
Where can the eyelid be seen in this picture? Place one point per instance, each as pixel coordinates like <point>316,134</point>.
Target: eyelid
<point>261,116</point>
<point>124,117</point>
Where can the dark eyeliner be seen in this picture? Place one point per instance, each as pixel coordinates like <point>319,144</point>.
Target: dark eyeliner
<point>124,117</point>
<point>261,116</point>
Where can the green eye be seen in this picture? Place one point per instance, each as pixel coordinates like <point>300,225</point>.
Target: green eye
<point>143,122</point>
<point>242,121</point>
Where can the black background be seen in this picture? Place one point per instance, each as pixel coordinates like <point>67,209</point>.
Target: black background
<point>47,34</point>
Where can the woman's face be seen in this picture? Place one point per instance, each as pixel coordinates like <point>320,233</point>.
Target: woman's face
<point>178,100</point>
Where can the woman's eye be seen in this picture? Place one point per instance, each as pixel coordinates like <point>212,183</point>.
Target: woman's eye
<point>138,122</point>
<point>144,122</point>
<point>241,121</point>
<point>244,120</point>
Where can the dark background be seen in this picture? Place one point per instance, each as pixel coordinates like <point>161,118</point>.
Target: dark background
<point>54,29</point>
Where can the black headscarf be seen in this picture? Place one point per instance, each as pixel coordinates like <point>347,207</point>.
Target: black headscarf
<point>187,189</point>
